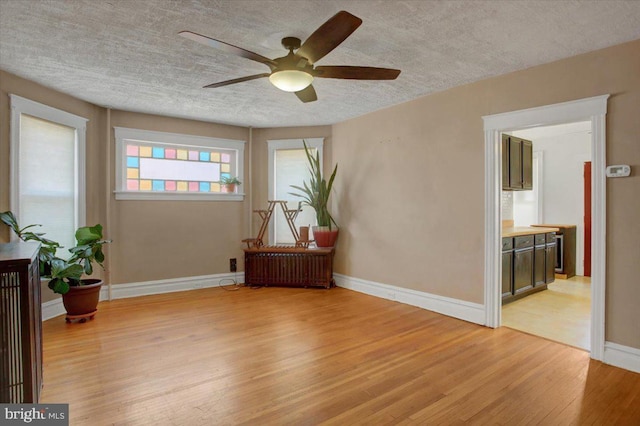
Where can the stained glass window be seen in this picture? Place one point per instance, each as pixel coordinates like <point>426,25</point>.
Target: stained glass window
<point>155,167</point>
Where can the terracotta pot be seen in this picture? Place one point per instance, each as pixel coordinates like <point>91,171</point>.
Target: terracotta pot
<point>81,300</point>
<point>231,187</point>
<point>325,237</point>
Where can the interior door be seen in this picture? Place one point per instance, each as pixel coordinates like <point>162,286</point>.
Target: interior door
<point>587,218</point>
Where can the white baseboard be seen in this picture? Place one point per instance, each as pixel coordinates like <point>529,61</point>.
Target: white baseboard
<point>622,356</point>
<point>52,309</point>
<point>467,311</point>
<point>55,308</point>
<point>146,288</point>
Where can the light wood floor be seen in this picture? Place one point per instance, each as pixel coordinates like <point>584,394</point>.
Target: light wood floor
<point>561,313</point>
<point>304,357</point>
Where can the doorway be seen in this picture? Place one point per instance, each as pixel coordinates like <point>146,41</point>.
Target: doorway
<point>590,109</point>
<point>562,312</point>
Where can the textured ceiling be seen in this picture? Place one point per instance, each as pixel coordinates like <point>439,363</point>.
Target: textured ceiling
<point>126,54</point>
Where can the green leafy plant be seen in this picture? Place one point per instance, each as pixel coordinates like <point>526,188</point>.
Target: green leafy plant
<point>316,192</point>
<point>63,273</point>
<point>230,180</point>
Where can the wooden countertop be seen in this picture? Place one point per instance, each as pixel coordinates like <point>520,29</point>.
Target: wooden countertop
<point>516,231</point>
<point>554,226</point>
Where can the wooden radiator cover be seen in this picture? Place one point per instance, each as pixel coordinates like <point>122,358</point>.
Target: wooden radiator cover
<point>288,267</point>
<point>20,324</point>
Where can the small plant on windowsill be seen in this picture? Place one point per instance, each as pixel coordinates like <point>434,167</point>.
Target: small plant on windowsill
<point>230,183</point>
<point>80,296</point>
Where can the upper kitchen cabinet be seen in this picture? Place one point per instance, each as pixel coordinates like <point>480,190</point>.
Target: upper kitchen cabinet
<point>517,163</point>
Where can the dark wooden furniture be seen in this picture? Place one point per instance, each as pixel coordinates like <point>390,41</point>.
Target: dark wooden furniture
<point>528,263</point>
<point>288,267</point>
<point>517,164</point>
<point>522,264</point>
<point>20,323</point>
<point>550,250</point>
<point>507,267</point>
<point>539,259</point>
<point>565,264</point>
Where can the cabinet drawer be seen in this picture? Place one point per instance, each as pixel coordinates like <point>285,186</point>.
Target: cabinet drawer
<point>523,241</point>
<point>540,239</point>
<point>507,244</point>
<point>551,237</point>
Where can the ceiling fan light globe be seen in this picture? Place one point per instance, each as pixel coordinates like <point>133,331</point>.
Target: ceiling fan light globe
<point>291,80</point>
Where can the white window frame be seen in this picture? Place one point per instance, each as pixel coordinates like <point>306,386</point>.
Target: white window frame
<point>277,144</point>
<point>19,106</point>
<point>123,133</point>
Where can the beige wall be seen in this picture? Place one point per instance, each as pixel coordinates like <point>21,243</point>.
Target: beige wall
<point>155,240</point>
<point>152,240</point>
<point>410,193</point>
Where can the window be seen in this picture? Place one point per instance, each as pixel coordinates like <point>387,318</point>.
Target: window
<point>47,169</point>
<point>288,165</point>
<point>160,166</point>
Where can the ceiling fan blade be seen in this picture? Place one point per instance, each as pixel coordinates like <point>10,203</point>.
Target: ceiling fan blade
<point>226,47</point>
<point>329,36</point>
<point>308,94</point>
<point>356,73</point>
<point>236,80</point>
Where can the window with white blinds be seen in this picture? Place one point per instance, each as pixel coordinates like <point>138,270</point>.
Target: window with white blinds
<point>47,170</point>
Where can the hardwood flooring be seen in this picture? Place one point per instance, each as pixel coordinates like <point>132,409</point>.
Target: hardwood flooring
<point>561,313</point>
<point>278,356</point>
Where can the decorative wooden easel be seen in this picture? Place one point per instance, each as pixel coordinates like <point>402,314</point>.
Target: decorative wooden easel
<point>289,214</point>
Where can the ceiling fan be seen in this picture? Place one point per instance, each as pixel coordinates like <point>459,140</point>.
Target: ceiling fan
<point>295,71</point>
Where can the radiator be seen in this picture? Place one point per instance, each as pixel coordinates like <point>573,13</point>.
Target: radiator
<point>288,267</point>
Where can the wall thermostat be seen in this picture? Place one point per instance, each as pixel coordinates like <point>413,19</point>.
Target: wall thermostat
<point>621,170</point>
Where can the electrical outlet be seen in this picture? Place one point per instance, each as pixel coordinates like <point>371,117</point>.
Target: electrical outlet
<point>233,265</point>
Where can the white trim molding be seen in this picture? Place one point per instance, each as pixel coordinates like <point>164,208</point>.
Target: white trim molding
<point>622,356</point>
<point>590,109</point>
<point>276,144</point>
<point>55,308</point>
<point>174,139</point>
<point>19,106</point>
<point>460,309</point>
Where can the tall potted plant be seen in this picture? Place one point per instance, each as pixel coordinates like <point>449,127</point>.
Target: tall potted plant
<point>316,194</point>
<point>80,296</point>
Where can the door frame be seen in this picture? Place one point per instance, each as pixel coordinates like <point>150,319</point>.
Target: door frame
<point>592,109</point>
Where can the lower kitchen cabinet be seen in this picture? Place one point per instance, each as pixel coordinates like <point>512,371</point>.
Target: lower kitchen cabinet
<point>539,260</point>
<point>522,264</point>
<point>507,267</point>
<point>550,255</point>
<point>528,263</point>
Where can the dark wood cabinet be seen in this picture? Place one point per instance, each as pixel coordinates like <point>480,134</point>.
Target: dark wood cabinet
<point>20,323</point>
<point>517,163</point>
<point>527,164</point>
<point>522,264</point>
<point>529,266</point>
<point>507,267</point>
<point>539,260</point>
<point>505,162</point>
<point>550,255</point>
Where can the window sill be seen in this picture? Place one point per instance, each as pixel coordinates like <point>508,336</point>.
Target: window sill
<point>177,196</point>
